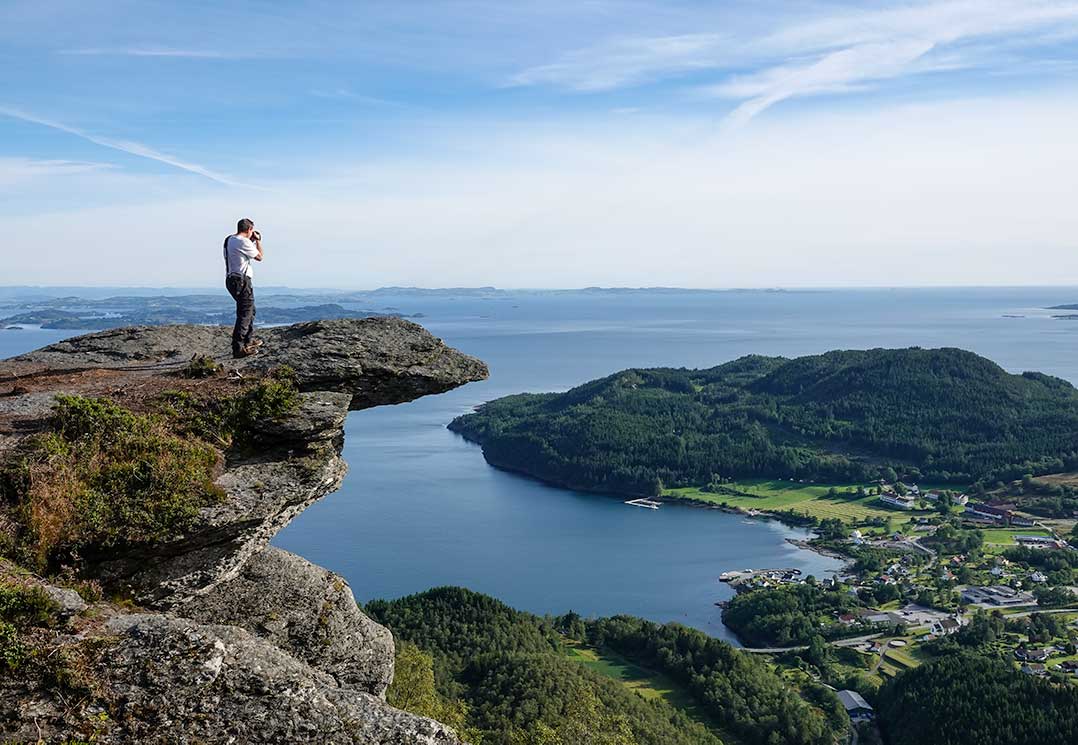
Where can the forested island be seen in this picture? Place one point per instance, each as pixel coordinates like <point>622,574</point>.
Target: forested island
<point>942,415</point>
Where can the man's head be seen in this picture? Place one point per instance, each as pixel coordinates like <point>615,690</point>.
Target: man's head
<point>245,226</point>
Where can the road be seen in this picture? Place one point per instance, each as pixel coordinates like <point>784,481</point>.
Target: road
<point>851,642</point>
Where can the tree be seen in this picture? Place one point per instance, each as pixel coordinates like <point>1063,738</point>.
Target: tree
<point>968,699</point>
<point>818,652</point>
<point>413,690</point>
<point>1054,597</point>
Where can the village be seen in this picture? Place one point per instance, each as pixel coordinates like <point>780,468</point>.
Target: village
<point>943,571</point>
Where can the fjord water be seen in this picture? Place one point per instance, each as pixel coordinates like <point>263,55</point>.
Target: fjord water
<point>421,508</point>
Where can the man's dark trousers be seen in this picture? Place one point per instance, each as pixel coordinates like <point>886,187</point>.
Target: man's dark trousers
<point>243,292</point>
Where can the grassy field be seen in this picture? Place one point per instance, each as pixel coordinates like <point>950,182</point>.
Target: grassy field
<point>811,499</point>
<point>647,683</point>
<point>1005,536</point>
<point>902,657</point>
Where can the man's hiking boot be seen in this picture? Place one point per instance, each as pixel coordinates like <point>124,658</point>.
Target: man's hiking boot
<point>255,344</point>
<point>247,351</point>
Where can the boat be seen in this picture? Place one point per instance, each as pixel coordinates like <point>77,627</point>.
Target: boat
<point>651,504</point>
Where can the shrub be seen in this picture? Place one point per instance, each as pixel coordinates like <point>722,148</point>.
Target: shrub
<point>12,651</point>
<point>201,366</point>
<point>105,476</point>
<point>26,605</point>
<point>233,421</point>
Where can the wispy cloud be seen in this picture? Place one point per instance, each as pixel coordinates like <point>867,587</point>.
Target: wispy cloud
<point>345,94</point>
<point>624,62</point>
<point>126,146</point>
<point>837,52</point>
<point>837,72</point>
<point>16,170</point>
<point>153,52</point>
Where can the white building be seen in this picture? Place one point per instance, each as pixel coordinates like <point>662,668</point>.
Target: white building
<point>898,501</point>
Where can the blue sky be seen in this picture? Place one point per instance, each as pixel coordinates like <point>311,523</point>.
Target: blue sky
<point>614,142</point>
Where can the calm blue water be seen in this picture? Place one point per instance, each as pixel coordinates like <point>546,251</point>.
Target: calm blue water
<point>421,508</point>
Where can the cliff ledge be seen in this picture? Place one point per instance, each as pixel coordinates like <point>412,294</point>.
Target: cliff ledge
<point>199,631</point>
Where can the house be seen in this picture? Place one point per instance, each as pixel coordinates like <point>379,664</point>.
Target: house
<point>891,619</point>
<point>958,499</point>
<point>847,619</point>
<point>897,501</point>
<point>1032,655</point>
<point>1070,666</point>
<point>1037,541</point>
<point>986,512</point>
<point>1038,578</point>
<point>1034,668</point>
<point>946,626</point>
<point>1021,522</point>
<point>856,706</point>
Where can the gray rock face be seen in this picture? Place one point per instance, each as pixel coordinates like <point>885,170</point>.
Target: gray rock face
<point>377,360</point>
<point>306,611</point>
<point>265,493</point>
<point>251,644</point>
<point>173,680</point>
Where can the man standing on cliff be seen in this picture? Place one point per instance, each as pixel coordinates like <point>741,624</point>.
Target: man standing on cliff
<point>240,248</point>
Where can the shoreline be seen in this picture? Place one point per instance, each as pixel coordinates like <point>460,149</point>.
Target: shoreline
<point>687,501</point>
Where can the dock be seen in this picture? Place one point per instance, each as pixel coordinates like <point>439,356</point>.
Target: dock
<point>745,577</point>
<point>651,504</point>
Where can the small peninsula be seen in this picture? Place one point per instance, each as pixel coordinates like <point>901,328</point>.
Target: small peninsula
<point>947,416</point>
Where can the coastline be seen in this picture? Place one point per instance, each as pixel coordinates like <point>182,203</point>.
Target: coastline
<point>782,517</point>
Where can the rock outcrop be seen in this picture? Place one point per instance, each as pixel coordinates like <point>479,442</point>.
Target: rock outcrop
<point>230,640</point>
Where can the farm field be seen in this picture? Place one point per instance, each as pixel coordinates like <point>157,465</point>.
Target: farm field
<point>646,683</point>
<point>1005,536</point>
<point>809,499</point>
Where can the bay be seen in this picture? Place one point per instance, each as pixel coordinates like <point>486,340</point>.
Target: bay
<point>420,507</point>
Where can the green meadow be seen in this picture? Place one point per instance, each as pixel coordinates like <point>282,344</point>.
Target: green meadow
<point>808,499</point>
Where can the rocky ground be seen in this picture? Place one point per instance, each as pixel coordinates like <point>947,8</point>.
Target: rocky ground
<point>222,638</point>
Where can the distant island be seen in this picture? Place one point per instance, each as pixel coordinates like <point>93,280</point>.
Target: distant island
<point>135,310</point>
<point>943,415</point>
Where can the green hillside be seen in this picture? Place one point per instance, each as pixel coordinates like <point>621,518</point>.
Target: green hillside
<point>518,680</point>
<point>945,415</point>
<point>963,699</point>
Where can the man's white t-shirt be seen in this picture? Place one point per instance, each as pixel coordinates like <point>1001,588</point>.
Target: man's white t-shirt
<point>238,253</point>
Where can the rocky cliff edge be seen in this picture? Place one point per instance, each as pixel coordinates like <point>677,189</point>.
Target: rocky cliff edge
<point>218,637</point>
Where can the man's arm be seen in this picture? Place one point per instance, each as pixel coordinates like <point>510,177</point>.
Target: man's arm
<point>258,245</point>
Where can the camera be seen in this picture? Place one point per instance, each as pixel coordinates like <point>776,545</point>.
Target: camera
<point>256,235</point>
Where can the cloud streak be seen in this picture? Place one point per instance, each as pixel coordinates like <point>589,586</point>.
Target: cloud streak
<point>625,62</point>
<point>835,53</point>
<point>152,52</point>
<point>17,170</point>
<point>126,146</point>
